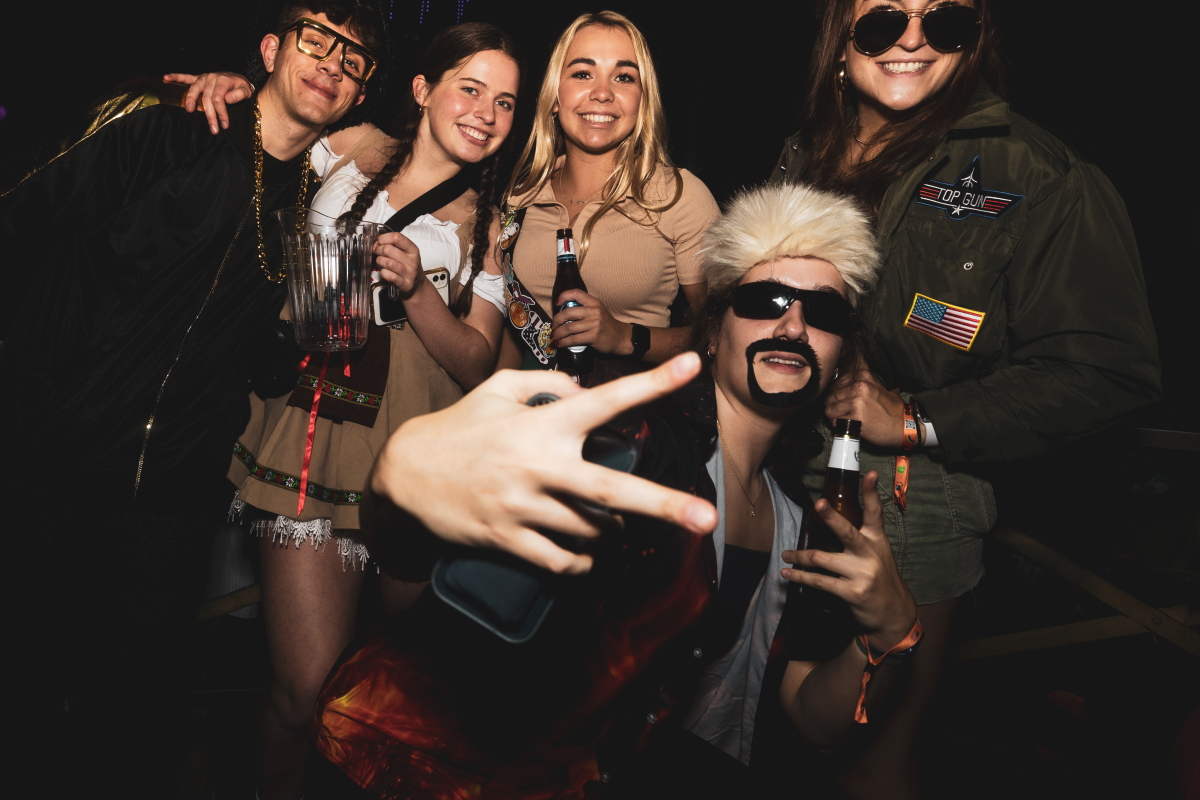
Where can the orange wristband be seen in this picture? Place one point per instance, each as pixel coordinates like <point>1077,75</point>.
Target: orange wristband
<point>908,440</point>
<point>907,643</point>
<point>909,434</point>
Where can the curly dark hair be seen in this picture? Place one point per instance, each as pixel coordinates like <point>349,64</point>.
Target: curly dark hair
<point>366,21</point>
<point>448,49</point>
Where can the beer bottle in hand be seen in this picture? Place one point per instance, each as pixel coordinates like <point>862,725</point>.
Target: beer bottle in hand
<point>577,359</point>
<point>828,618</point>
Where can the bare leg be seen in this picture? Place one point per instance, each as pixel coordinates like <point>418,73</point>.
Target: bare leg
<point>398,595</point>
<point>887,769</point>
<point>309,606</point>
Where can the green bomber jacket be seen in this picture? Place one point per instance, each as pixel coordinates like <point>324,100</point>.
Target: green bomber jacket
<point>1011,301</point>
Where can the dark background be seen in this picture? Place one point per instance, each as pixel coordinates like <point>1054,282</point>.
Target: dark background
<point>732,74</point>
<point>1112,85</point>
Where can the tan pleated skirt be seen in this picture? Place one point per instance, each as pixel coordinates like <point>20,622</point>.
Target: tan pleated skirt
<point>269,455</point>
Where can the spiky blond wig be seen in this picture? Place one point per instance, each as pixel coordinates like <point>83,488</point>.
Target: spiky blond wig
<point>790,220</point>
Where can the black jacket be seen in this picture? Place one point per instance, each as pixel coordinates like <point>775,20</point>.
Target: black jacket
<point>135,294</point>
<point>1005,221</point>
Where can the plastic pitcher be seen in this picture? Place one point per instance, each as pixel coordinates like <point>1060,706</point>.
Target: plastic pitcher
<point>328,263</point>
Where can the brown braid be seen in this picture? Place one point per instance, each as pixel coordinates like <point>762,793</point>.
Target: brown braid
<point>405,138</point>
<point>481,242</point>
<point>449,49</point>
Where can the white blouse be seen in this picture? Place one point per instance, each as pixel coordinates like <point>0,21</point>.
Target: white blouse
<point>437,240</point>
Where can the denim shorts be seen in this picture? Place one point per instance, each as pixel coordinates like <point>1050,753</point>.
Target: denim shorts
<point>938,540</point>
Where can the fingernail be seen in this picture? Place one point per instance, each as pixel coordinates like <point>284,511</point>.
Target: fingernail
<point>700,516</point>
<point>224,124</point>
<point>685,364</point>
<point>213,128</point>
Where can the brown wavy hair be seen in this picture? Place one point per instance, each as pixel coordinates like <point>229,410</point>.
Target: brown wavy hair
<point>449,49</point>
<point>826,134</point>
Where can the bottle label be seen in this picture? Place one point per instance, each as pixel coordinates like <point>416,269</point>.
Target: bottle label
<point>844,454</point>
<point>575,348</point>
<point>566,248</point>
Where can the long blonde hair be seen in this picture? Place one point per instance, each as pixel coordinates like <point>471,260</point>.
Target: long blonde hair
<point>638,156</point>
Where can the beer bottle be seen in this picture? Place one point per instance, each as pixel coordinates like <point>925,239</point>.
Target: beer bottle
<point>841,475</point>
<point>827,618</point>
<point>577,359</point>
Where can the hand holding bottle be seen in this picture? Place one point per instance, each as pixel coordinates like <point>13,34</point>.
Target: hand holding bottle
<point>864,574</point>
<point>589,322</point>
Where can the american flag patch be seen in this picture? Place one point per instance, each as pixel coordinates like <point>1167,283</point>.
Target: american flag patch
<point>950,324</point>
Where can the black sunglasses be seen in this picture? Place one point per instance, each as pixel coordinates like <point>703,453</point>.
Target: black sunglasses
<point>947,28</point>
<point>770,300</point>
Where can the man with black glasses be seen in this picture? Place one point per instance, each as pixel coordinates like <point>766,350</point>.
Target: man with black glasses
<point>132,326</point>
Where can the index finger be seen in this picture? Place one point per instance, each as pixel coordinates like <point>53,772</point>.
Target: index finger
<point>850,536</point>
<point>872,506</point>
<point>623,492</point>
<point>399,240</point>
<point>222,113</point>
<point>193,94</point>
<point>597,406</point>
<point>206,101</point>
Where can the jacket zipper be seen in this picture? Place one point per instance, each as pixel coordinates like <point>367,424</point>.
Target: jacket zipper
<point>137,481</point>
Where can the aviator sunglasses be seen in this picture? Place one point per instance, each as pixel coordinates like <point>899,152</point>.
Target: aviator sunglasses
<point>319,42</point>
<point>947,28</point>
<point>769,300</point>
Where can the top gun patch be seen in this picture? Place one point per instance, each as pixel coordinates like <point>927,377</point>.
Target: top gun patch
<point>966,196</point>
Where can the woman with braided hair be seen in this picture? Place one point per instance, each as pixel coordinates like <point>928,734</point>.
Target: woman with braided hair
<point>432,181</point>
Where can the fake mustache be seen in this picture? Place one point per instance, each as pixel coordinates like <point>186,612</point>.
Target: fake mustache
<point>783,346</point>
<point>802,396</point>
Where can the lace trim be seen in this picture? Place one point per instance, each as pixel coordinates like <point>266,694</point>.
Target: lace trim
<point>318,533</point>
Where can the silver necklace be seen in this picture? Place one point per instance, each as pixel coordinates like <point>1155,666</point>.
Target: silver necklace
<point>572,199</point>
<point>854,133</point>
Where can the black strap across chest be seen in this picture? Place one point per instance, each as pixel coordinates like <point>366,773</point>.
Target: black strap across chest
<point>439,196</point>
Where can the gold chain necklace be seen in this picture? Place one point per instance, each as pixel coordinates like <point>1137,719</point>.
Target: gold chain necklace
<point>753,503</point>
<point>258,193</point>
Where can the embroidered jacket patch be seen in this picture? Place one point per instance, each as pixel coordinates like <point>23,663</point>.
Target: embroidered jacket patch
<point>966,196</point>
<point>954,325</point>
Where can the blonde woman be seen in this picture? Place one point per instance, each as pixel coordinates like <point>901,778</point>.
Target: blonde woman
<point>596,162</point>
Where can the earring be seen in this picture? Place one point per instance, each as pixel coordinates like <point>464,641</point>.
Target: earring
<point>836,371</point>
<point>421,110</point>
<point>840,79</point>
<point>712,351</point>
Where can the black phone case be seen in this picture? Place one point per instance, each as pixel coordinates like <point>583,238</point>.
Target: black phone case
<point>508,595</point>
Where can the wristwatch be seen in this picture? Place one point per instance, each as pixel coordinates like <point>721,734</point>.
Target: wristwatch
<point>640,337</point>
<point>931,439</point>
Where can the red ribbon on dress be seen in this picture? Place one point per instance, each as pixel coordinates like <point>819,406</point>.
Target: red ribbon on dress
<point>312,428</point>
<point>914,636</point>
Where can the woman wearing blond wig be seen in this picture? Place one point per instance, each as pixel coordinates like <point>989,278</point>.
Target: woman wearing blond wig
<point>597,163</point>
